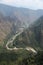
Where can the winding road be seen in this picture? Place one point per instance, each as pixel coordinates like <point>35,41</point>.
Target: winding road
<point>10,42</point>
<point>15,48</point>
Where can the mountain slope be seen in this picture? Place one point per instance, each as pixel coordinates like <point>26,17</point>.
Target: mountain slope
<point>25,15</point>
<point>32,37</point>
<point>8,27</point>
<point>12,19</point>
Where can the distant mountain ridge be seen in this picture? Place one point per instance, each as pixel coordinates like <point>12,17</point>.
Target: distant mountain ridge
<point>25,15</point>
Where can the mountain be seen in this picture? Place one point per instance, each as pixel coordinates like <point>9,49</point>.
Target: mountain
<point>33,36</point>
<point>25,15</point>
<point>8,27</point>
<point>14,18</point>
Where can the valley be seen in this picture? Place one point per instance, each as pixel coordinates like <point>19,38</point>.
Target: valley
<point>12,18</point>
<point>21,36</point>
<point>15,48</point>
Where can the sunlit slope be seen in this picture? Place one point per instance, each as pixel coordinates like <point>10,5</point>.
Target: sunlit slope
<point>7,26</point>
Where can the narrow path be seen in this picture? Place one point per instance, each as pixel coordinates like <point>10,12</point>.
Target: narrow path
<point>31,49</point>
<point>10,42</point>
<point>15,48</point>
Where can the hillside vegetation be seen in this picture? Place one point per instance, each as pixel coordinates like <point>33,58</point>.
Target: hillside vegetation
<point>33,36</point>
